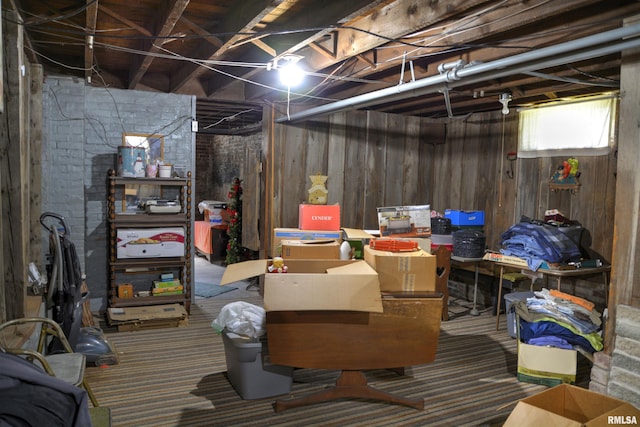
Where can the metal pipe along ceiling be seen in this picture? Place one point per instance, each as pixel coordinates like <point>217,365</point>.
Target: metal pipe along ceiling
<point>564,53</point>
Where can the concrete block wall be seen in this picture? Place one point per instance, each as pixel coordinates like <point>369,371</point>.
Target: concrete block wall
<point>624,377</point>
<point>83,128</point>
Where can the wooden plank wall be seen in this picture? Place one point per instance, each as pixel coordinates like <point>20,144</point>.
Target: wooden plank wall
<point>20,171</point>
<point>375,159</point>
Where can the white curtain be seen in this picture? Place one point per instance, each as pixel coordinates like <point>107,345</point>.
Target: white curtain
<point>569,129</point>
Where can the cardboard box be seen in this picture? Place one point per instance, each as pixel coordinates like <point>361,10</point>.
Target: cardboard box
<point>280,234</point>
<point>310,249</point>
<point>570,406</point>
<point>506,259</point>
<point>147,317</point>
<point>319,217</point>
<point>173,287</point>
<point>405,221</point>
<point>313,284</point>
<point>546,365</point>
<point>150,242</point>
<point>464,217</point>
<point>403,271</point>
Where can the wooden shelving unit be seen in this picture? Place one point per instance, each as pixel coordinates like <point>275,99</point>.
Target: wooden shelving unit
<point>125,219</point>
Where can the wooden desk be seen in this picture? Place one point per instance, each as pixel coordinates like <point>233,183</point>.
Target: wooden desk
<point>404,334</point>
<point>475,261</point>
<point>559,275</point>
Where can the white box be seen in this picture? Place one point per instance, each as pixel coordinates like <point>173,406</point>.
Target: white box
<point>405,221</point>
<point>150,242</point>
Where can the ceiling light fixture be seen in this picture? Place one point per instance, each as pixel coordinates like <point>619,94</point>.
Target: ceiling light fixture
<point>505,98</point>
<point>290,73</point>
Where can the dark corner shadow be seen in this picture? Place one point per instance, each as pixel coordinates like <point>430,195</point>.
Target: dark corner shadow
<point>215,388</point>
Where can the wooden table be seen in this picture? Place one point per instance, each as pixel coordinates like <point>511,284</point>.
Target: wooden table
<point>558,274</point>
<point>405,334</point>
<point>474,311</point>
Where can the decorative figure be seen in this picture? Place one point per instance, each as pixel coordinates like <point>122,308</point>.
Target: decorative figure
<point>277,265</point>
<point>566,176</point>
<point>318,192</point>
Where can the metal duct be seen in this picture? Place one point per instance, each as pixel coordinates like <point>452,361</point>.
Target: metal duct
<point>563,53</point>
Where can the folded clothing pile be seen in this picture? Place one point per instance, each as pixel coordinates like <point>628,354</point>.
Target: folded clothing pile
<point>556,319</point>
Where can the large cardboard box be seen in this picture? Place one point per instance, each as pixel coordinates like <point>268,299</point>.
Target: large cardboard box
<point>280,234</point>
<point>405,221</point>
<point>313,284</point>
<point>570,406</point>
<point>310,249</point>
<point>403,271</point>
<point>319,217</point>
<point>150,242</point>
<point>546,365</point>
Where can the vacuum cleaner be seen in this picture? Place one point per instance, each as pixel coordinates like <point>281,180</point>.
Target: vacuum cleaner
<point>65,297</point>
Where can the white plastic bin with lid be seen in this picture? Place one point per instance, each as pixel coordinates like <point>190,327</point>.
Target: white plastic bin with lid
<point>249,370</point>
<point>510,299</point>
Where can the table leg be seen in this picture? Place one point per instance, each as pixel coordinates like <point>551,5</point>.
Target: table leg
<point>350,384</point>
<point>499,299</point>
<point>474,311</point>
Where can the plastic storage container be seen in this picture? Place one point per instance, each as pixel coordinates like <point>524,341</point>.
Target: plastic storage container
<point>509,300</point>
<point>249,370</point>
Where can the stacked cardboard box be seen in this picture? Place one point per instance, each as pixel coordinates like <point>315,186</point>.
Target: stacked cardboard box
<point>413,271</point>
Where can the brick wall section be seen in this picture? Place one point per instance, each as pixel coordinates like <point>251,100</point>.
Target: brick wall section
<point>219,159</point>
<point>83,127</point>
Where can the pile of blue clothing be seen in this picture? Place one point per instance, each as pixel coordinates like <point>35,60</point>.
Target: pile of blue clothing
<point>553,321</point>
<point>538,242</point>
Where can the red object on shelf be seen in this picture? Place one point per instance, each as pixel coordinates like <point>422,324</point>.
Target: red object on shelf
<point>394,245</point>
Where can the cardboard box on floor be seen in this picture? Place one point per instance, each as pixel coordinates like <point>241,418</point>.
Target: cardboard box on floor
<point>310,249</point>
<point>570,406</point>
<point>546,365</point>
<point>147,317</point>
<point>313,284</point>
<point>280,234</point>
<point>403,271</point>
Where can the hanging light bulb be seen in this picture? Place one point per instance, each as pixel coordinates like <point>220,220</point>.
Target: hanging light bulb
<point>290,73</point>
<point>505,98</point>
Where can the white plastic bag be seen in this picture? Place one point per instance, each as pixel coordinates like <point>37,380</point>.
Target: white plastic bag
<point>241,318</point>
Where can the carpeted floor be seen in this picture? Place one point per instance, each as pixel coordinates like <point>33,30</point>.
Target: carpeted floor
<point>177,377</point>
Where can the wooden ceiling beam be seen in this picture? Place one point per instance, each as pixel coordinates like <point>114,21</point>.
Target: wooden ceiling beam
<point>165,22</point>
<point>323,17</point>
<point>91,19</point>
<point>491,24</point>
<point>553,35</point>
<point>389,22</point>
<point>211,39</point>
<point>244,17</point>
<point>142,30</point>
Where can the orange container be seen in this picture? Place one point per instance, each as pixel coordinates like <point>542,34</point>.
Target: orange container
<point>125,290</point>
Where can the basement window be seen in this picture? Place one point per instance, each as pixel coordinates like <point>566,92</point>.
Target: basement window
<point>583,127</point>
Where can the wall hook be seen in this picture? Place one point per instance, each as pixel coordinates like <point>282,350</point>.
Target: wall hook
<point>511,156</point>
